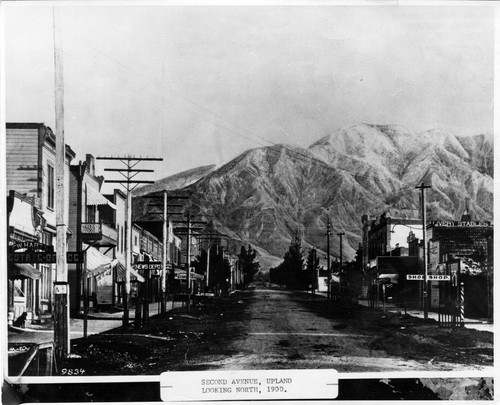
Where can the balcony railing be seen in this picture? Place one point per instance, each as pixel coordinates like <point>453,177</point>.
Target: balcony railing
<point>95,231</point>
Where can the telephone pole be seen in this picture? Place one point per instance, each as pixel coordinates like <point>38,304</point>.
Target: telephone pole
<point>189,229</point>
<point>341,276</point>
<point>163,215</point>
<point>61,287</point>
<point>188,262</point>
<point>329,270</point>
<point>129,184</point>
<point>422,188</point>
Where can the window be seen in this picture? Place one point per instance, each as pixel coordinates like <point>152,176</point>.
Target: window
<point>91,214</point>
<point>45,282</point>
<point>50,186</point>
<point>46,269</point>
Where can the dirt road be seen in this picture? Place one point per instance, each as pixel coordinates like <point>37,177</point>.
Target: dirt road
<point>280,331</point>
<point>272,329</point>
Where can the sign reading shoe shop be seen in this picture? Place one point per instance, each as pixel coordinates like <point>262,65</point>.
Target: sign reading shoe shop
<point>36,252</point>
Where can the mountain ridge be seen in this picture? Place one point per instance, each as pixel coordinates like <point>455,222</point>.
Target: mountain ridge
<point>264,194</point>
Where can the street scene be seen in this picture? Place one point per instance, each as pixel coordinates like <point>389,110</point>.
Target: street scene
<point>264,328</point>
<point>249,189</point>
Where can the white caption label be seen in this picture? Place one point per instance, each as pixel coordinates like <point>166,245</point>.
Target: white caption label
<point>185,386</point>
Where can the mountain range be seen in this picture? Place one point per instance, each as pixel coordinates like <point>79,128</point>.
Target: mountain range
<point>265,195</point>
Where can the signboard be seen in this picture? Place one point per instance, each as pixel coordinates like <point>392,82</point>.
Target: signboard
<point>43,257</point>
<point>60,289</point>
<point>31,257</point>
<point>181,275</point>
<point>459,223</point>
<point>75,257</point>
<point>430,277</point>
<point>148,266</point>
<point>37,252</point>
<point>434,253</point>
<point>438,277</point>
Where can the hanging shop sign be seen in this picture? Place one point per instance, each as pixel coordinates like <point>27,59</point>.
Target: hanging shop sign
<point>148,266</point>
<point>430,277</point>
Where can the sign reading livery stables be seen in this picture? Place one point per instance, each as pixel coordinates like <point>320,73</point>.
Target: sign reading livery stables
<point>459,223</point>
<point>36,252</point>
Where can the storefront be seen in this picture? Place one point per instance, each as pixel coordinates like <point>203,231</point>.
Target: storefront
<point>463,250</point>
<point>25,280</point>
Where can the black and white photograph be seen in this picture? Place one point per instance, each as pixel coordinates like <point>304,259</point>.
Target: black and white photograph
<point>247,190</point>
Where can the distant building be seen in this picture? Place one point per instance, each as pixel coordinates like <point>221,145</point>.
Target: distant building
<point>387,235</point>
<point>387,259</point>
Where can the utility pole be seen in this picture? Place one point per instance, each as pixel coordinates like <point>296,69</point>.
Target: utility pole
<point>61,287</point>
<point>341,275</point>
<point>340,234</point>
<point>165,254</point>
<point>188,262</point>
<point>189,230</point>
<point>329,270</point>
<point>164,214</point>
<point>208,266</point>
<point>422,188</point>
<point>129,184</point>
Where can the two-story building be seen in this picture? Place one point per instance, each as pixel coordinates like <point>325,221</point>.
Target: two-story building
<point>31,188</point>
<point>94,235</point>
<point>462,250</point>
<point>386,258</point>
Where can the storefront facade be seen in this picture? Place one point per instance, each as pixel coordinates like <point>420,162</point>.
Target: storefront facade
<point>30,178</point>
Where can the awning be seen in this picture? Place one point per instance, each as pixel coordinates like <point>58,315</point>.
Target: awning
<point>392,277</point>
<point>121,274</point>
<point>22,270</point>
<point>94,197</point>
<point>97,263</point>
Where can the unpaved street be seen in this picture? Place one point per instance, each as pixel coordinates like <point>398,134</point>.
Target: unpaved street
<point>271,329</point>
<point>279,331</point>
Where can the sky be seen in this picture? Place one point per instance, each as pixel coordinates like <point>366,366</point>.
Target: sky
<point>198,85</point>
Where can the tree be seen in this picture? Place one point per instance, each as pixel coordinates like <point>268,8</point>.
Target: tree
<point>248,264</point>
<point>312,267</point>
<point>219,267</point>
<point>291,271</point>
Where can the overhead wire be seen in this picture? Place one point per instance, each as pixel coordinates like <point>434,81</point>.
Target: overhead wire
<point>306,158</point>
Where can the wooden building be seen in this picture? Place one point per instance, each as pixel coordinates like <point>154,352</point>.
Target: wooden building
<point>30,171</point>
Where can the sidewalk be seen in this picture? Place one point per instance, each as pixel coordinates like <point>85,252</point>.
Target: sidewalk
<point>97,323</point>
<point>470,323</point>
